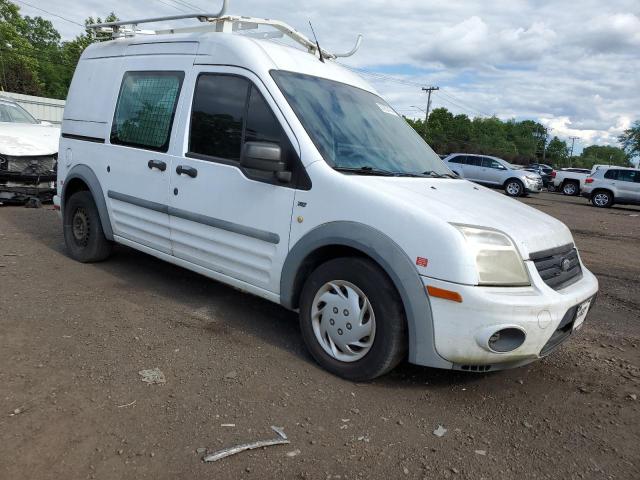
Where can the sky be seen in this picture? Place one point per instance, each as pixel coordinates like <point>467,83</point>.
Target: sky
<point>574,66</point>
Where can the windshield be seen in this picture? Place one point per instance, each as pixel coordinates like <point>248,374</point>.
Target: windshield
<point>12,113</point>
<point>355,130</point>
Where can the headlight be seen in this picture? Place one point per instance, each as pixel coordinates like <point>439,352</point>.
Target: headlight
<point>497,259</point>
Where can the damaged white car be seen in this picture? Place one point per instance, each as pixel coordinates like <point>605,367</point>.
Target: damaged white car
<point>28,155</point>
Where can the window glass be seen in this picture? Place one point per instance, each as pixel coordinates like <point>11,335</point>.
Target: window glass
<point>474,161</point>
<point>627,175</point>
<point>353,128</point>
<point>145,109</point>
<point>262,125</point>
<point>11,113</point>
<point>611,174</point>
<point>491,163</point>
<point>458,159</point>
<point>217,117</point>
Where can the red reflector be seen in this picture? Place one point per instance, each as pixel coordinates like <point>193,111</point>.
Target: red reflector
<point>422,262</point>
<point>553,174</point>
<point>56,207</point>
<point>589,180</point>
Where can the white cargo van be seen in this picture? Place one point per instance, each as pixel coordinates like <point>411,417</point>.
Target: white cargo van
<point>279,172</point>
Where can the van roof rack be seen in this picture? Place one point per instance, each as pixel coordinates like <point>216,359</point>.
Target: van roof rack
<point>219,22</point>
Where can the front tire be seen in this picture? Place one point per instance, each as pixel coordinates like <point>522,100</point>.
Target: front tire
<point>352,319</point>
<point>602,199</point>
<point>83,233</point>
<point>514,188</point>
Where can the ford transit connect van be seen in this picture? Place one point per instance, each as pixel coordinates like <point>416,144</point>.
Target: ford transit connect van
<point>279,172</point>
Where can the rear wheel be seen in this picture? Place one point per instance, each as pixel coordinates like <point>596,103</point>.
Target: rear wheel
<point>602,199</point>
<point>352,319</point>
<point>83,233</point>
<point>571,188</point>
<point>514,187</point>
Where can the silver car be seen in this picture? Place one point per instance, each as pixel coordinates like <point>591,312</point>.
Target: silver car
<point>495,172</point>
<point>609,185</point>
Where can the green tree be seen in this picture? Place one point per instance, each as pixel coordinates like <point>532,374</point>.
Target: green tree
<point>630,139</point>
<point>602,155</point>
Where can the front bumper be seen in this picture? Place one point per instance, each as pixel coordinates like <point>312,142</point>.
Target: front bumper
<point>533,186</point>
<point>17,187</point>
<point>461,329</point>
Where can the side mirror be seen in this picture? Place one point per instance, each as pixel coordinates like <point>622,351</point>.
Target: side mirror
<point>266,157</point>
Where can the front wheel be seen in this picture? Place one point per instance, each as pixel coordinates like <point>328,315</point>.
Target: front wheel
<point>352,319</point>
<point>602,199</point>
<point>514,188</point>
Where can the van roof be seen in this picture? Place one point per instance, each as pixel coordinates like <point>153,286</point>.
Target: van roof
<point>218,48</point>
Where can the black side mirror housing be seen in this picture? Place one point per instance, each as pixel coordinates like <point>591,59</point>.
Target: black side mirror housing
<point>266,157</point>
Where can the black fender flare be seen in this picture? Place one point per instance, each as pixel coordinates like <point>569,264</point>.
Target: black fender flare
<point>392,259</point>
<point>87,175</point>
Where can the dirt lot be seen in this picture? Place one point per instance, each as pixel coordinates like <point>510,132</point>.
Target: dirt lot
<point>73,338</point>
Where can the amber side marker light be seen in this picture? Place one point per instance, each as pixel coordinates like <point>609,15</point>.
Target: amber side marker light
<point>446,294</point>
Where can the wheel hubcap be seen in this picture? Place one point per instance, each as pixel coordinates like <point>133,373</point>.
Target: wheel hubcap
<point>343,321</point>
<point>513,188</point>
<point>570,189</point>
<point>80,224</point>
<point>601,199</point>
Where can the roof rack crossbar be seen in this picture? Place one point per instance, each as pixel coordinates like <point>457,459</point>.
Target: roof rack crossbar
<point>220,22</point>
<point>203,17</point>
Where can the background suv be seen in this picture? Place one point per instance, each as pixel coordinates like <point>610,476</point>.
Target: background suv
<point>545,172</point>
<point>613,185</point>
<point>495,172</point>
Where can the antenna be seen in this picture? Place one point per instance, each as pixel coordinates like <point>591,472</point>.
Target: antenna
<point>317,43</point>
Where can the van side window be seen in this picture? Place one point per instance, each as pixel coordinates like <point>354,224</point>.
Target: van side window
<point>217,116</point>
<point>262,125</point>
<point>145,109</point>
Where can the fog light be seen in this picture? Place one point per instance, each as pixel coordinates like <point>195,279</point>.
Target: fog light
<point>506,340</point>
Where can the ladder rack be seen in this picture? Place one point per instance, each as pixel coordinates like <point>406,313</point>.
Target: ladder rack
<point>219,22</point>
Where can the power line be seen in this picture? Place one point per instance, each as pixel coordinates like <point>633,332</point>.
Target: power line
<point>188,5</point>
<point>49,13</point>
<point>171,5</point>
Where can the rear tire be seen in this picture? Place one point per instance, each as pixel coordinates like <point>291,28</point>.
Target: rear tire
<point>571,188</point>
<point>83,234</point>
<point>602,199</point>
<point>352,319</point>
<point>514,187</point>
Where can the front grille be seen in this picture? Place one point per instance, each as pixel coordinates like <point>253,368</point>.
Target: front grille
<point>558,267</point>
<point>31,165</point>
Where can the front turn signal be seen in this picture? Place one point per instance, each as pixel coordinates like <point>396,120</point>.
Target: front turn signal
<point>442,293</point>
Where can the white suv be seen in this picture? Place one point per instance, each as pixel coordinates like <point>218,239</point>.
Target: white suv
<point>495,172</point>
<point>610,185</point>
<point>263,167</point>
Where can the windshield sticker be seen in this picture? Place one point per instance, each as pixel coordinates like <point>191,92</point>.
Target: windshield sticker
<point>386,109</point>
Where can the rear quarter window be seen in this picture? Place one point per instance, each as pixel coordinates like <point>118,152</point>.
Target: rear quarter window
<point>145,109</point>
<point>611,174</point>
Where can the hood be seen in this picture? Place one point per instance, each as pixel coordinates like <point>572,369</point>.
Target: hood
<point>24,139</point>
<point>460,201</point>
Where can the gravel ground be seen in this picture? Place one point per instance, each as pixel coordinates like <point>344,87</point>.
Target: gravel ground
<point>73,338</point>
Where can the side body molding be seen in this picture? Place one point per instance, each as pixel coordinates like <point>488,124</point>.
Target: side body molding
<point>396,264</point>
<point>84,173</point>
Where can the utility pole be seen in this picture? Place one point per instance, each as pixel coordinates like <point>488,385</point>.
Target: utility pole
<point>573,140</point>
<point>428,90</point>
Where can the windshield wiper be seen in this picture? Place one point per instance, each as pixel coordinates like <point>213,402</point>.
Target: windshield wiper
<point>431,173</point>
<point>366,170</point>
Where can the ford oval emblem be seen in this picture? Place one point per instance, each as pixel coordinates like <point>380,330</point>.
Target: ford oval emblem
<point>565,265</point>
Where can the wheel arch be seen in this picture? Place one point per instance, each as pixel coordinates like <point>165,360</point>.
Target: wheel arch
<point>336,239</point>
<point>512,178</point>
<point>83,178</point>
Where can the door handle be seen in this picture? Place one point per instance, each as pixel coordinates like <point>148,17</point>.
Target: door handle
<point>159,164</point>
<point>192,172</point>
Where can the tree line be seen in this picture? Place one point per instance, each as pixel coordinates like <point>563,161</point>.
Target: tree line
<point>522,142</point>
<point>35,61</point>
